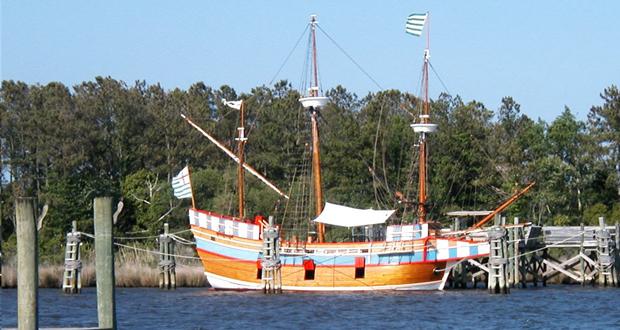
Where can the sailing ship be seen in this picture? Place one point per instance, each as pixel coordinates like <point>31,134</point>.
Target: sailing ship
<point>238,253</point>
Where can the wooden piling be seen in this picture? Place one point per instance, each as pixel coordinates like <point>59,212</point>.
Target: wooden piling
<point>27,265</point>
<point>104,263</point>
<point>617,255</point>
<point>1,256</point>
<point>515,254</point>
<point>497,281</point>
<point>582,265</point>
<point>167,263</point>
<point>271,275</point>
<point>605,262</point>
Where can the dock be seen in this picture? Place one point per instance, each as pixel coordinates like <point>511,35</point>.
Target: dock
<point>522,254</point>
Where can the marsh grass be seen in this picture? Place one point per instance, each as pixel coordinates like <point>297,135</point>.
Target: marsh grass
<point>133,268</point>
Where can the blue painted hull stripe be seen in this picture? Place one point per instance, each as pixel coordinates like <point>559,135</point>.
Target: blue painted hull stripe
<point>339,260</point>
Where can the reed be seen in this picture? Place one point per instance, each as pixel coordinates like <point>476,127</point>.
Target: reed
<point>133,268</point>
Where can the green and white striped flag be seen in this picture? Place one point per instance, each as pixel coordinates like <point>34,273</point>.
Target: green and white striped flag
<point>415,24</point>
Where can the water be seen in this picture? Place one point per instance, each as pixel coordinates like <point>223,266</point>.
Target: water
<point>566,307</point>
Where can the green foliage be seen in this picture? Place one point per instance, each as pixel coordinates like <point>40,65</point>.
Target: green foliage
<point>613,216</point>
<point>147,199</point>
<point>105,137</point>
<point>592,213</point>
<point>562,220</point>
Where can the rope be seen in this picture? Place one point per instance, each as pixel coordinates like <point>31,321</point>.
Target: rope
<point>439,78</point>
<point>350,58</point>
<point>138,237</point>
<point>155,252</point>
<point>181,240</point>
<point>289,55</point>
<point>548,246</point>
<point>522,254</point>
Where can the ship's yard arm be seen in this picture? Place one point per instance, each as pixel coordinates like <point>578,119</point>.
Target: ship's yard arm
<point>235,158</point>
<point>503,206</point>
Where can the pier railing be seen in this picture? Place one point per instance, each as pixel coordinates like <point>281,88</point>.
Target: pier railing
<point>567,237</point>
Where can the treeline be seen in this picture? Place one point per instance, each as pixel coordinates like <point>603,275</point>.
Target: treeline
<point>65,146</point>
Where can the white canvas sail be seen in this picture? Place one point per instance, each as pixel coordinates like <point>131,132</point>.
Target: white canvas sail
<point>344,216</point>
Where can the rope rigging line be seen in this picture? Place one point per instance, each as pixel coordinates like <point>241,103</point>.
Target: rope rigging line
<point>139,237</point>
<point>154,236</point>
<point>439,78</point>
<point>181,240</point>
<point>303,79</point>
<point>289,55</point>
<point>350,58</point>
<point>155,252</point>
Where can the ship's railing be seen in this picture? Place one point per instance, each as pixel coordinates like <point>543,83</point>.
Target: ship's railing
<point>370,247</point>
<point>433,249</point>
<point>225,225</point>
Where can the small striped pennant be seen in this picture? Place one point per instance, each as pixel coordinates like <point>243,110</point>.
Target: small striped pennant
<point>415,24</point>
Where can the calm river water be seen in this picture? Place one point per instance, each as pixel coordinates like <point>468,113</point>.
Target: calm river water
<point>201,308</point>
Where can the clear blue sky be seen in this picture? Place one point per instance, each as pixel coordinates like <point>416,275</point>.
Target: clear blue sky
<point>546,54</point>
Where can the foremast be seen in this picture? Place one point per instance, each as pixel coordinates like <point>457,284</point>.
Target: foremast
<point>423,128</point>
<point>313,102</point>
<point>240,154</point>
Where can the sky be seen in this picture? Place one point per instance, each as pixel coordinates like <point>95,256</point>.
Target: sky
<point>545,54</point>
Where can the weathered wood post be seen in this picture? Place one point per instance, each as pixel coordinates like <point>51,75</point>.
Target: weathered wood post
<point>497,220</point>
<point>104,263</point>
<point>497,261</point>
<point>605,260</point>
<point>270,274</point>
<point>582,265</point>
<point>510,253</point>
<point>1,278</point>
<point>72,282</point>
<point>515,254</point>
<point>167,273</point>
<point>617,255</point>
<point>27,264</point>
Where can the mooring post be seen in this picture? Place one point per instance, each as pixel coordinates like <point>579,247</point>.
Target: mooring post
<point>510,255</point>
<point>497,261</point>
<point>27,264</point>
<point>104,263</point>
<point>167,274</point>
<point>270,274</point>
<point>582,265</point>
<point>1,278</point>
<point>172,258</point>
<point>604,261</point>
<point>515,254</point>
<point>617,254</point>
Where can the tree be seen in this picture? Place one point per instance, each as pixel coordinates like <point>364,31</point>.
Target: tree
<point>566,140</point>
<point>604,124</point>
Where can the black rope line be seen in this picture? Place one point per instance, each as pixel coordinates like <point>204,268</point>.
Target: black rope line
<point>289,55</point>
<point>350,58</point>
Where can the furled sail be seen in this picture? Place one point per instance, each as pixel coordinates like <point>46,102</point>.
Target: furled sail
<point>343,216</point>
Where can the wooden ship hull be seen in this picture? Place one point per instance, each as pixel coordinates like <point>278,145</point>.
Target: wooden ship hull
<point>231,252</point>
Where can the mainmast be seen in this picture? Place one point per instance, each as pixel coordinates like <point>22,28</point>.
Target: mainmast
<point>423,128</point>
<point>240,154</point>
<point>313,103</point>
